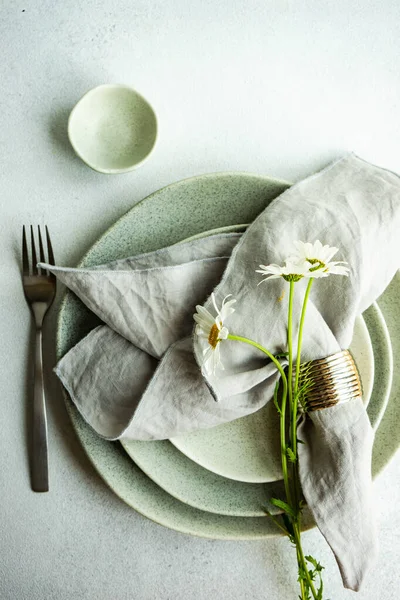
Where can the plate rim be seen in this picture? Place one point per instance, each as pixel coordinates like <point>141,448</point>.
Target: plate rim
<point>144,464</point>
<point>161,519</point>
<point>165,188</point>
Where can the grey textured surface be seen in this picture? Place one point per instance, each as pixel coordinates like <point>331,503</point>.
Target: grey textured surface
<point>234,89</point>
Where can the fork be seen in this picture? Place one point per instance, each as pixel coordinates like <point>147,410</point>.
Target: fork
<point>40,289</point>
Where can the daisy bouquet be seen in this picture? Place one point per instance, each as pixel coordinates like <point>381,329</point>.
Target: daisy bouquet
<point>308,261</point>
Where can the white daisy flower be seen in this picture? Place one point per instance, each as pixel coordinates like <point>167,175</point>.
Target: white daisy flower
<point>214,331</point>
<point>319,259</point>
<point>291,271</point>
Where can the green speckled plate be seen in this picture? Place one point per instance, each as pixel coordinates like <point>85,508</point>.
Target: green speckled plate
<point>248,443</point>
<point>203,489</point>
<point>168,216</point>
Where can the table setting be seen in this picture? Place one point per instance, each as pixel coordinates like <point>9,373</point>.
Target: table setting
<point>211,370</point>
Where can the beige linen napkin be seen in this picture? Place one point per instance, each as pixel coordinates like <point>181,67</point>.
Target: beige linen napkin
<point>352,205</point>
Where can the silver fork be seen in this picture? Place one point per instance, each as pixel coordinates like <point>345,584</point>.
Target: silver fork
<point>39,289</point>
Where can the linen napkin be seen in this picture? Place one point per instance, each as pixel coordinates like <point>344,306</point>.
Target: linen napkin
<point>148,301</point>
<point>351,204</point>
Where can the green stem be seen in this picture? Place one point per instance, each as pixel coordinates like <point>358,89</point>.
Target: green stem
<point>301,582</point>
<point>303,561</point>
<point>293,401</point>
<point>276,362</point>
<point>300,337</point>
<point>288,385</point>
<point>290,346</point>
<point>278,365</point>
<point>292,412</point>
<point>296,484</point>
<point>276,522</point>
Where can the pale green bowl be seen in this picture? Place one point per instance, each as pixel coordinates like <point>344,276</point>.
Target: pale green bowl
<point>113,129</point>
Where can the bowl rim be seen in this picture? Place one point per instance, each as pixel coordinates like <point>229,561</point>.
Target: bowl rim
<point>89,163</point>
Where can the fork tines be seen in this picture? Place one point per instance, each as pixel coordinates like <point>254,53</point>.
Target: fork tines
<point>32,268</point>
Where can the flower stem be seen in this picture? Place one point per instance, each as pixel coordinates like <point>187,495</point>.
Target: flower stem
<point>301,582</point>
<point>303,563</point>
<point>278,365</point>
<point>293,404</point>
<point>292,410</point>
<point>292,495</point>
<point>293,428</point>
<point>300,336</point>
<point>290,346</point>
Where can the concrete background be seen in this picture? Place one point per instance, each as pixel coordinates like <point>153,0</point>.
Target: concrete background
<point>278,88</point>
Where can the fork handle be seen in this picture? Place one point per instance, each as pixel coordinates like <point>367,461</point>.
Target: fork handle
<point>39,461</point>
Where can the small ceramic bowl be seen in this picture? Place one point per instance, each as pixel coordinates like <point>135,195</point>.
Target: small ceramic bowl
<point>113,129</point>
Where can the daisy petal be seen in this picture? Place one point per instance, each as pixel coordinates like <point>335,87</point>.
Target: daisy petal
<point>205,330</point>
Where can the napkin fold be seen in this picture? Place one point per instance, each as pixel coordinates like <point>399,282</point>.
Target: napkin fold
<point>139,378</point>
<point>148,301</point>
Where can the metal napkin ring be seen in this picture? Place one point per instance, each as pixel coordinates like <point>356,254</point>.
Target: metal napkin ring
<point>331,380</point>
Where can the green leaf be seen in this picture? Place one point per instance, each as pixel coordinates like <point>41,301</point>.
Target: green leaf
<point>313,574</point>
<point>278,524</point>
<point>320,590</point>
<point>281,354</point>
<point>284,506</point>
<point>302,575</point>
<point>276,402</point>
<point>315,563</point>
<point>291,455</point>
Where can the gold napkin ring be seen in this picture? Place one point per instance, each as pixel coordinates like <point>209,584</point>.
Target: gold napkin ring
<point>329,381</point>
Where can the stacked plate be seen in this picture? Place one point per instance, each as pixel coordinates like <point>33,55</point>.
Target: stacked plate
<point>218,482</point>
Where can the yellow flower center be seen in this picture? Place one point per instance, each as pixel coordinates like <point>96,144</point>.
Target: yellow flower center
<point>213,337</point>
<point>318,264</point>
<point>292,277</point>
